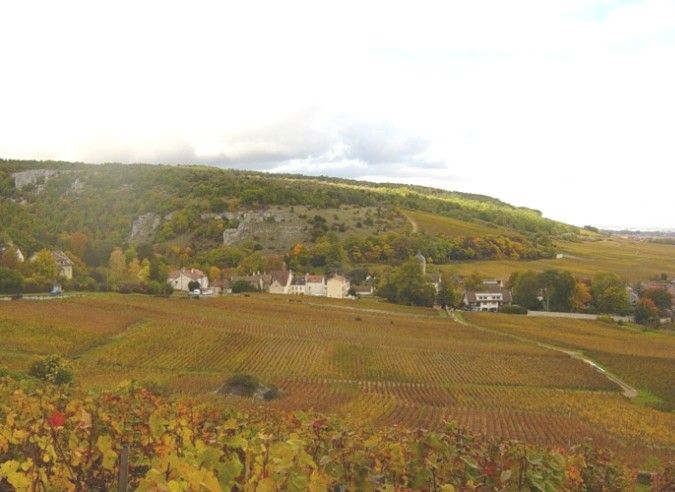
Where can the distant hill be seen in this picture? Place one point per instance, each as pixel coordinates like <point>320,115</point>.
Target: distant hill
<point>121,204</point>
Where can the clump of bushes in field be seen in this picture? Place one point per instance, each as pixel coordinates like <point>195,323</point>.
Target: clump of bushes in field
<point>248,385</point>
<point>514,309</point>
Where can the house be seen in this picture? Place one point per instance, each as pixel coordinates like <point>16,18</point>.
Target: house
<point>280,282</point>
<point>63,264</point>
<point>180,279</point>
<point>338,287</point>
<point>298,285</point>
<point>487,300</point>
<point>364,290</point>
<point>315,285</point>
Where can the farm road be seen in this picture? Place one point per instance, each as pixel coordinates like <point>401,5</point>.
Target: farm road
<point>628,390</point>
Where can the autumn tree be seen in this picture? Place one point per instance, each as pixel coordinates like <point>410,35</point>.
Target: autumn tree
<point>646,312</point>
<point>661,298</point>
<point>581,297</point>
<point>117,269</point>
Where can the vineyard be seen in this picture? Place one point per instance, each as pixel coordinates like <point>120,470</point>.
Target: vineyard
<point>360,361</point>
<point>646,360</point>
<point>130,439</point>
<point>631,259</point>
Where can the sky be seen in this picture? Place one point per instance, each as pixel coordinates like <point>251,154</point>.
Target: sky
<point>564,106</point>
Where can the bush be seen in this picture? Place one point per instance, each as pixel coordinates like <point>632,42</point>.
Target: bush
<point>514,309</point>
<point>247,385</point>
<point>606,318</point>
<point>242,384</point>
<point>51,369</point>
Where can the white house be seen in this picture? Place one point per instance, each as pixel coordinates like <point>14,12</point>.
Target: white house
<point>487,300</point>
<point>298,286</point>
<point>337,286</point>
<point>280,282</point>
<point>180,279</point>
<point>63,264</point>
<point>315,285</point>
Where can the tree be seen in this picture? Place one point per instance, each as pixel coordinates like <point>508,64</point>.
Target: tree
<point>410,285</point>
<point>11,281</point>
<point>609,293</point>
<point>215,274</point>
<point>44,266</point>
<point>581,297</point>
<point>557,288</point>
<point>244,286</point>
<point>449,294</point>
<point>117,268</point>
<point>646,312</point>
<point>662,299</point>
<point>474,282</point>
<point>255,262</point>
<point>525,289</point>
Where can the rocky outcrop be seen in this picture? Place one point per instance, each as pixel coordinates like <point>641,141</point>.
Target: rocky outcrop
<point>253,223</point>
<point>144,227</point>
<point>35,177</point>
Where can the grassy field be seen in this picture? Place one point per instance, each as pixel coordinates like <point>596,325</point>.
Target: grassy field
<point>404,366</point>
<point>631,259</point>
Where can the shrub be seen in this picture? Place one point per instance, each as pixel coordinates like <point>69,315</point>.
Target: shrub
<point>606,318</point>
<point>514,309</point>
<point>242,384</point>
<point>247,385</point>
<point>51,369</point>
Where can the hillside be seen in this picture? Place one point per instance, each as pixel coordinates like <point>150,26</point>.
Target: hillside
<point>192,206</point>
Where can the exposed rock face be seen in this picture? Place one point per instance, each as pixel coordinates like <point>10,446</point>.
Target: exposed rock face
<point>260,223</point>
<point>37,177</point>
<point>144,227</point>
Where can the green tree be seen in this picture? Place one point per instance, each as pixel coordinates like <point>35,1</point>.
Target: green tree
<point>525,289</point>
<point>449,294</point>
<point>474,282</point>
<point>557,287</point>
<point>11,281</point>
<point>44,266</point>
<point>609,293</point>
<point>411,286</point>
<point>255,262</point>
<point>243,286</point>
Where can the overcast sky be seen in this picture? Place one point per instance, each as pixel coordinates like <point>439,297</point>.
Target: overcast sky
<point>566,106</point>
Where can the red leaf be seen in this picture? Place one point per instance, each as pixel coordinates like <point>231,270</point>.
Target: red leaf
<point>57,419</point>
